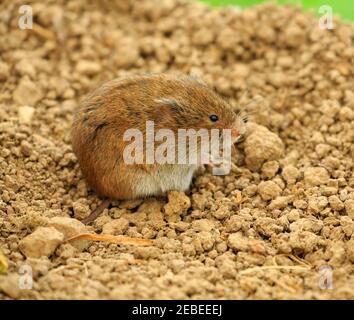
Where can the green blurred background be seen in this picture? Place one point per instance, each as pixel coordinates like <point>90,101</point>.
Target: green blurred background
<point>342,8</point>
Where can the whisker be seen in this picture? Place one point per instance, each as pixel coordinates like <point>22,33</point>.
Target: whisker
<point>247,112</point>
<point>245,118</point>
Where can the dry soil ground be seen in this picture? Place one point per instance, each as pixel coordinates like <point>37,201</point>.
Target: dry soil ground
<point>262,232</point>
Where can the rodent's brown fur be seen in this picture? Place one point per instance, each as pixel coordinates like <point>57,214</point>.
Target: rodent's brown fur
<point>104,116</point>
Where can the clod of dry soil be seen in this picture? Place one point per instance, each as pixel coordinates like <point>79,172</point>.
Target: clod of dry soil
<point>264,231</point>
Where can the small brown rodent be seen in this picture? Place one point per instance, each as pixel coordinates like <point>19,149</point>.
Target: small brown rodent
<point>170,101</point>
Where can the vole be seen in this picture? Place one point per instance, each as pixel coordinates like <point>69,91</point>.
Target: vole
<point>171,102</point>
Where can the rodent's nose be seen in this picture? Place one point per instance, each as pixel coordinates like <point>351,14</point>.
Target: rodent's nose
<point>235,133</point>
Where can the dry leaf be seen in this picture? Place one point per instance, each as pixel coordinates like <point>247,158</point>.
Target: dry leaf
<point>112,239</point>
<point>3,263</point>
<point>43,32</point>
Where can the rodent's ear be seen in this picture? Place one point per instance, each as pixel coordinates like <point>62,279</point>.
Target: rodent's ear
<point>169,110</point>
<point>174,106</point>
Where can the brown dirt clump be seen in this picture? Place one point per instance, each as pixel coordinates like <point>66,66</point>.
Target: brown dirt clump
<point>263,232</point>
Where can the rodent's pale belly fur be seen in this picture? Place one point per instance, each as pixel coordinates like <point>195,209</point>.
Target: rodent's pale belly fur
<point>177,177</point>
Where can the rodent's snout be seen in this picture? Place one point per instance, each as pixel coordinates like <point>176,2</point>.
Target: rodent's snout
<point>238,130</point>
<point>235,133</point>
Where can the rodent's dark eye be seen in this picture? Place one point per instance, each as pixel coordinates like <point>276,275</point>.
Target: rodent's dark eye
<point>214,117</point>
